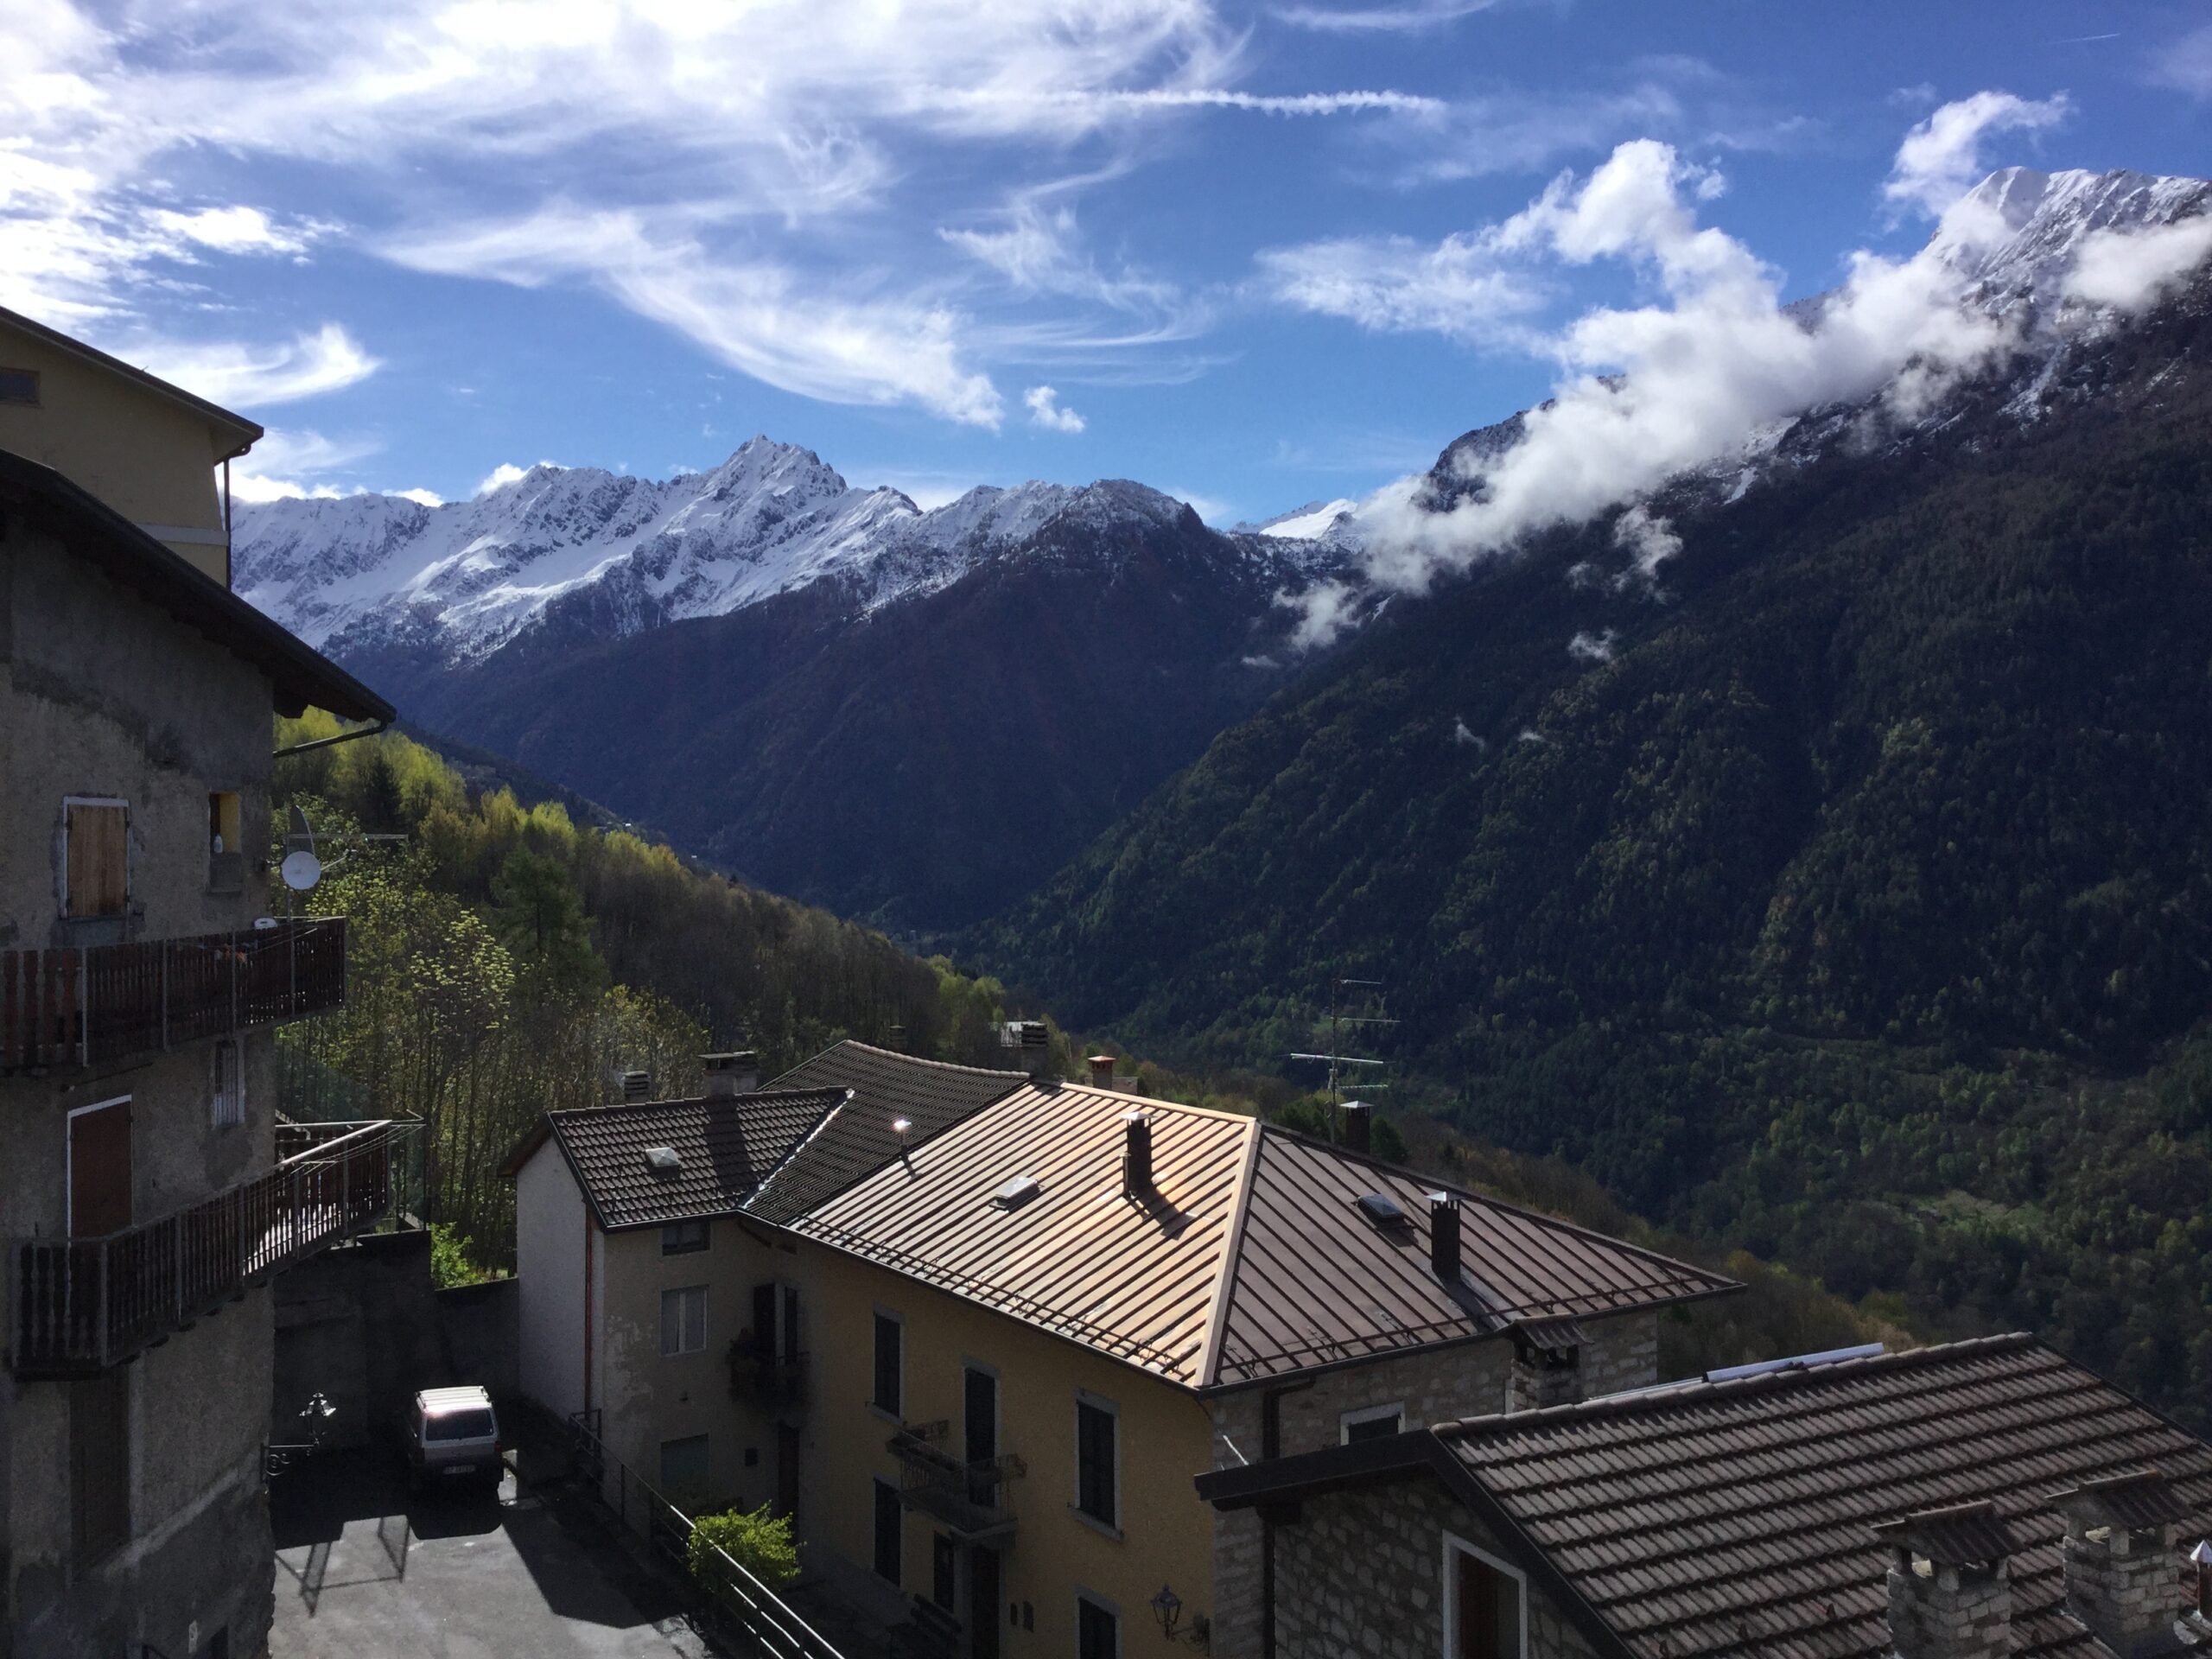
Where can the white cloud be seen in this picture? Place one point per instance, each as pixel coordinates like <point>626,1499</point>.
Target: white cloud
<point>1381,19</point>
<point>239,230</point>
<point>241,376</point>
<point>1045,409</point>
<point>422,498</point>
<point>1394,285</point>
<point>2186,64</point>
<point>1649,539</point>
<point>1941,159</point>
<point>1211,508</point>
<point>2130,269</point>
<point>504,473</point>
<point>1586,647</point>
<point>286,464</point>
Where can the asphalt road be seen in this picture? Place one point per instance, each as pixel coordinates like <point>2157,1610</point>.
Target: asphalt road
<point>364,1572</point>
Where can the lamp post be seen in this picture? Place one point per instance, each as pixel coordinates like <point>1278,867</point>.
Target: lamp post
<point>1167,1608</point>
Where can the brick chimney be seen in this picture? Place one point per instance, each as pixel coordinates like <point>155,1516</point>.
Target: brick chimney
<point>1026,1046</point>
<point>737,1072</point>
<point>1101,1071</point>
<point>1547,1369</point>
<point>1950,1583</point>
<point>2122,1569</point>
<point>1359,1125</point>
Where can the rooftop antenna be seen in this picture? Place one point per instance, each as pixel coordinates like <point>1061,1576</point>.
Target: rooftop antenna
<point>1336,1058</point>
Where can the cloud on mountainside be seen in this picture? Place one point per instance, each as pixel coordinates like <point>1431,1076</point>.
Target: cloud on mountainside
<point>1649,390</point>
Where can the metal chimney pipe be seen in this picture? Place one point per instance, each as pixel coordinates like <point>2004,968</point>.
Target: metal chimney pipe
<point>1136,1154</point>
<point>1359,1122</point>
<point>1444,1237</point>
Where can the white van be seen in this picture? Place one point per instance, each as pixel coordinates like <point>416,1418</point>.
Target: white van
<point>452,1434</point>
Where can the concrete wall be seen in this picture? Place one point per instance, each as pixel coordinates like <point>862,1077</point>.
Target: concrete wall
<point>150,459</point>
<point>550,1222</point>
<point>1363,1572</point>
<point>479,1326</point>
<point>648,1397</point>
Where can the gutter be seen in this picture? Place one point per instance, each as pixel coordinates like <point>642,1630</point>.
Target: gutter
<point>374,729</point>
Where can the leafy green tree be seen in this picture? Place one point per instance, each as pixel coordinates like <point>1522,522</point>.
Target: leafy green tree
<point>757,1540</point>
<point>540,917</point>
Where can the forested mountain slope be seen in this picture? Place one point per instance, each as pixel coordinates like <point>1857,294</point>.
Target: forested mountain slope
<point>1846,893</point>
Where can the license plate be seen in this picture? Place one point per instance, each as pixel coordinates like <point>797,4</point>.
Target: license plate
<point>454,1469</point>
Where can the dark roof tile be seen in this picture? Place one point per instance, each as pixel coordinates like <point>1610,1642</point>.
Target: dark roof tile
<point>725,1148</point>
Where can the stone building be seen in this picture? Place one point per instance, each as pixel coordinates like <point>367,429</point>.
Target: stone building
<point>142,1205</point>
<point>1975,1501</point>
<point>977,1330</point>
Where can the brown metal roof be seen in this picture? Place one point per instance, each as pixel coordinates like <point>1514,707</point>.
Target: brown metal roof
<point>1133,1277</point>
<point>1255,1261</point>
<point>1738,1516</point>
<point>1316,1282</point>
<point>857,1137</point>
<point>725,1148</point>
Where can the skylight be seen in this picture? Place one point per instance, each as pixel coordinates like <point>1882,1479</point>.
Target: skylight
<point>1017,1192</point>
<point>1382,1209</point>
<point>662,1160</point>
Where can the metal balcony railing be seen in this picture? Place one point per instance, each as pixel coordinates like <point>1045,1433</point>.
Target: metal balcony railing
<point>969,1496</point>
<point>772,1380</point>
<point>81,1305</point>
<point>95,1004</point>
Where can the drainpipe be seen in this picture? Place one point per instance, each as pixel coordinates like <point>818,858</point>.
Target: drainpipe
<point>226,521</point>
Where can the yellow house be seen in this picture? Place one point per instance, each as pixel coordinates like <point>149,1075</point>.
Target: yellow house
<point>977,1330</point>
<point>146,448</point>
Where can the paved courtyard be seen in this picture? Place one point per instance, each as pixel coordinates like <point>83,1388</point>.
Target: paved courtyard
<point>364,1572</point>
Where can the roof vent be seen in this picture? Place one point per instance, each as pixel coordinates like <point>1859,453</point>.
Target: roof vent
<point>1358,1119</point>
<point>1016,1192</point>
<point>637,1085</point>
<point>664,1160</point>
<point>1382,1210</point>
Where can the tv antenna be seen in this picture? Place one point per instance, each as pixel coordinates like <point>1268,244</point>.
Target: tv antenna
<point>1339,1019</point>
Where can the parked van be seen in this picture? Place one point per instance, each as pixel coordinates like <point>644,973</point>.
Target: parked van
<point>452,1434</point>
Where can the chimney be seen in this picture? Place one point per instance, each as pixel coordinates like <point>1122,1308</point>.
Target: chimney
<point>637,1085</point>
<point>1950,1583</point>
<point>1359,1125</point>
<point>2120,1578</point>
<point>1444,1237</point>
<point>1547,1366</point>
<point>1026,1046</point>
<point>737,1072</point>
<point>2201,1558</point>
<point>1101,1071</point>
<point>1136,1154</point>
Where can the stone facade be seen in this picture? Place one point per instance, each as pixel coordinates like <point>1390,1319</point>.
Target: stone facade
<point>1394,1607</point>
<point>1430,1385</point>
<point>1941,1612</point>
<point>2123,1585</point>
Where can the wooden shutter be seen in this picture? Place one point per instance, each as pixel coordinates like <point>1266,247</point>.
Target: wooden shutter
<point>98,858</point>
<point>99,1171</point>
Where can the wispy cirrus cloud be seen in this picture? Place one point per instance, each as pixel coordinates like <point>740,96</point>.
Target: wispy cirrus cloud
<point>243,376</point>
<point>2185,64</point>
<point>1374,20</point>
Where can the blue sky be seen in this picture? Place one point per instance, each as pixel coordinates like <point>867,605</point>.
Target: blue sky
<point>1236,252</point>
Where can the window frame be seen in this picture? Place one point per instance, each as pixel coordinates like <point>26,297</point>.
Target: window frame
<point>1105,1604</point>
<point>681,1351</point>
<point>1362,1415</point>
<point>69,803</point>
<point>226,1107</point>
<point>36,400</point>
<point>671,1234</point>
<point>1453,1544</point>
<point>895,1412</point>
<point>1098,1403</point>
<point>897,1577</point>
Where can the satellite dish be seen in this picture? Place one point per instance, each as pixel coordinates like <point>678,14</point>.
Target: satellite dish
<point>301,871</point>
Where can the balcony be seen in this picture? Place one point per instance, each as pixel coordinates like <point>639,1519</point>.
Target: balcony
<point>970,1498</point>
<point>771,1382</point>
<point>102,1003</point>
<point>82,1305</point>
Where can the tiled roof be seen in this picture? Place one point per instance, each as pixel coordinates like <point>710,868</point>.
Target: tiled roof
<point>725,1148</point>
<point>1315,1282</point>
<point>1738,1516</point>
<point>1135,1278</point>
<point>857,1138</point>
<point>1251,1262</point>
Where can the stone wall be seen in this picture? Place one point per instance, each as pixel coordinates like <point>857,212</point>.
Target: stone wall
<point>1363,1573</point>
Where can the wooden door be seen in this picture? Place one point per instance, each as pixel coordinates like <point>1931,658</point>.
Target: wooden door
<point>99,1170</point>
<point>1489,1612</point>
<point>99,1465</point>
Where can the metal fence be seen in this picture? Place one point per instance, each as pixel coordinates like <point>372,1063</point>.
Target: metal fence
<point>744,1608</point>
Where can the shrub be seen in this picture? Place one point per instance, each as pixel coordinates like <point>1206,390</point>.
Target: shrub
<point>759,1542</point>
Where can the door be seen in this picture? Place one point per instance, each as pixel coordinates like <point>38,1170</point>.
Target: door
<point>980,1421</point>
<point>99,1170</point>
<point>786,1469</point>
<point>1488,1608</point>
<point>983,1598</point>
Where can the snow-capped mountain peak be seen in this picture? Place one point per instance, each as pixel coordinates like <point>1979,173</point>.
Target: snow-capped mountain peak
<point>770,518</point>
<point>2018,233</point>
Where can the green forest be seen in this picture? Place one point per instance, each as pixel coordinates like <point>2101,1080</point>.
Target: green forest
<point>505,962</point>
<point>1852,906</point>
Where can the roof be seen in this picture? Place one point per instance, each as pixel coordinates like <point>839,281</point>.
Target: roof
<point>858,1137</point>
<point>1249,1260</point>
<point>1315,1282</point>
<point>725,1147</point>
<point>299,676</point>
<point>246,432</point>
<point>454,1398</point>
<point>1735,1516</point>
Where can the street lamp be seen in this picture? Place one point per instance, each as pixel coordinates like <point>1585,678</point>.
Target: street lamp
<point>1167,1608</point>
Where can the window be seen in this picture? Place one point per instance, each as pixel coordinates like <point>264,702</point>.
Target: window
<point>1097,1629</point>
<point>1483,1605</point>
<point>889,1520</point>
<point>1098,1480</point>
<point>890,1364</point>
<point>227,1090</point>
<point>684,1320</point>
<point>226,862</point>
<point>944,1567</point>
<point>1371,1423</point>
<point>683,1467</point>
<point>18,386</point>
<point>99,1465</point>
<point>682,1237</point>
<point>96,858</point>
